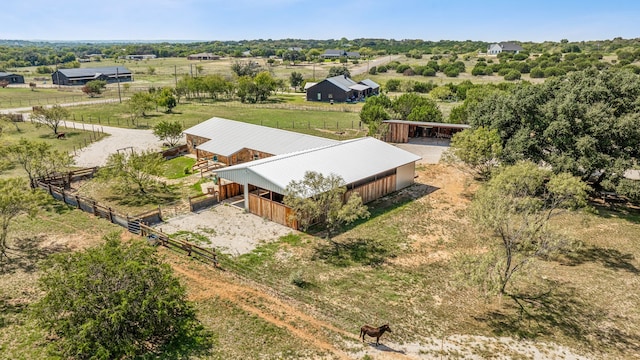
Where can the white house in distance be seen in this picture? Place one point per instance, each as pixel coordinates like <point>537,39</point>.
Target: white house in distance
<point>495,49</point>
<point>265,160</point>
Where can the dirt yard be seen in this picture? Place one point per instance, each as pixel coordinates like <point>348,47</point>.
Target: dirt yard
<point>229,229</point>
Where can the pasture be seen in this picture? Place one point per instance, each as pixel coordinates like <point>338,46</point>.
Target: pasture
<point>307,298</point>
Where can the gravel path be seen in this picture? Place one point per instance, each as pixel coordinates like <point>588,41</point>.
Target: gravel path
<point>97,153</point>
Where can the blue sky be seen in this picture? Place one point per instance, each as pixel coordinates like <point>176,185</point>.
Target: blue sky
<point>488,20</point>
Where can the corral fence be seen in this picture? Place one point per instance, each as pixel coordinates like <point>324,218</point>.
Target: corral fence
<point>175,152</point>
<point>138,224</point>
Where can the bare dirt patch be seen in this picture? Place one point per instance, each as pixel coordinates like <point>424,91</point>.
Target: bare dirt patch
<point>228,228</point>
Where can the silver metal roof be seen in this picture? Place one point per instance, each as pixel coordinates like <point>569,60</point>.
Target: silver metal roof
<point>91,72</point>
<point>372,84</point>
<point>353,160</point>
<point>227,137</point>
<point>341,81</point>
<point>359,87</point>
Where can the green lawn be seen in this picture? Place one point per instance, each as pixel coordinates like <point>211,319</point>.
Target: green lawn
<point>74,140</point>
<point>13,97</point>
<point>284,116</point>
<point>179,167</point>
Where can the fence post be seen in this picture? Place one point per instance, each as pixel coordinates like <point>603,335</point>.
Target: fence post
<point>110,215</point>
<point>160,213</point>
<point>78,201</point>
<point>50,189</point>
<point>95,208</point>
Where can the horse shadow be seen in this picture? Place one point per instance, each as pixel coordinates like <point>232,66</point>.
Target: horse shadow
<point>385,348</point>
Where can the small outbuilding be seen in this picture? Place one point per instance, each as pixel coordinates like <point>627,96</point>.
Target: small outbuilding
<point>84,75</point>
<point>400,131</point>
<point>203,56</point>
<point>11,78</point>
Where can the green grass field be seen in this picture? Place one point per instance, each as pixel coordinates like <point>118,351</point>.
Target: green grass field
<point>74,140</point>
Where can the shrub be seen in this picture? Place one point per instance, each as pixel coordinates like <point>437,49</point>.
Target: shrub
<point>409,72</point>
<point>373,71</point>
<point>513,75</point>
<point>382,69</point>
<point>400,69</point>
<point>504,71</point>
<point>451,71</point>
<point>392,85</point>
<point>520,56</point>
<point>429,71</point>
<point>536,73</point>
<point>423,87</point>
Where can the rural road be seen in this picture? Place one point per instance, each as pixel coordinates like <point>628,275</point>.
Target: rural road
<point>97,153</point>
<point>364,68</point>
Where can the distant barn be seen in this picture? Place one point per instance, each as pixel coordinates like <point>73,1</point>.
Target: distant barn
<point>203,56</point>
<point>84,75</point>
<point>11,78</point>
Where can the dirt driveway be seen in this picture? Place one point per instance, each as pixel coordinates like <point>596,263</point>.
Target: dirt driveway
<point>430,149</point>
<point>97,153</point>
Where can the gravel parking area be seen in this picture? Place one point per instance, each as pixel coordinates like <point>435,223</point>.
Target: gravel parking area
<point>229,229</point>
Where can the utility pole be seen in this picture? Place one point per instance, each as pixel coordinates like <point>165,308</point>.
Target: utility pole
<point>118,80</point>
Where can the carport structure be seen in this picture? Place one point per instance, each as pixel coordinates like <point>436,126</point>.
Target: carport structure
<point>400,131</point>
<point>368,166</point>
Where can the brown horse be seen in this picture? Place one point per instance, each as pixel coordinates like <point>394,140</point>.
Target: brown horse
<point>375,332</point>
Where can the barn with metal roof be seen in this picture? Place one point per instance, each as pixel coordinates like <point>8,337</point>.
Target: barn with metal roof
<point>11,78</point>
<point>82,76</point>
<point>233,142</point>
<point>368,166</point>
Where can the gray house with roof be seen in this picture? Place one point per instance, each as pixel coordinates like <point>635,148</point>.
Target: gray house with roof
<point>84,75</point>
<point>335,54</point>
<point>11,78</point>
<point>342,89</point>
<point>508,47</point>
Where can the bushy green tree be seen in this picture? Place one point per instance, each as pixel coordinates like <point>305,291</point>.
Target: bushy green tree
<point>37,159</point>
<point>166,99</point>
<point>94,88</point>
<point>479,149</point>
<point>392,85</point>
<point>140,103</point>
<point>320,198</point>
<point>50,117</point>
<point>296,79</point>
<point>585,123</point>
<point>15,199</point>
<point>117,301</point>
<point>133,172</point>
<point>414,107</point>
<point>515,208</point>
<point>170,132</point>
<point>339,70</point>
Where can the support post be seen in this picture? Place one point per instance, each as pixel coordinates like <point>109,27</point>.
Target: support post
<point>246,196</point>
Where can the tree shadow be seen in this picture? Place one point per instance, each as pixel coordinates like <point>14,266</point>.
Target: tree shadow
<point>618,211</point>
<point>8,309</point>
<point>558,312</point>
<point>351,251</point>
<point>157,195</point>
<point>27,253</point>
<point>609,258</point>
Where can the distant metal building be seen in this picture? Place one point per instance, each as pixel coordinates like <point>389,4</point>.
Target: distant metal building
<point>11,78</point>
<point>84,75</point>
<point>203,56</point>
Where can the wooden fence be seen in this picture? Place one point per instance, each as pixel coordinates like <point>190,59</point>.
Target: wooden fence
<point>174,152</point>
<point>137,224</point>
